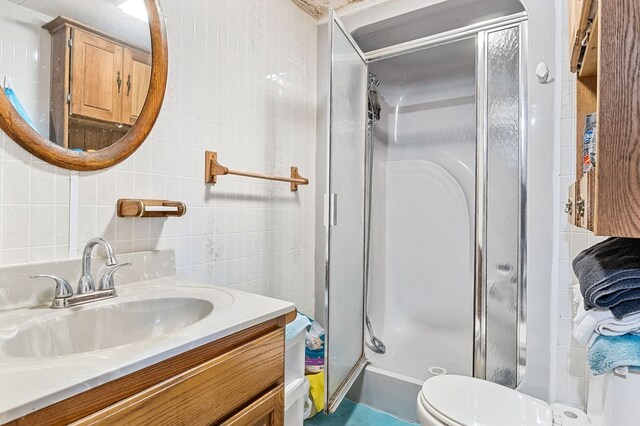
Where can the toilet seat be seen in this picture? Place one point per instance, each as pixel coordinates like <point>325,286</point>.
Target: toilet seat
<point>429,416</point>
<point>465,401</point>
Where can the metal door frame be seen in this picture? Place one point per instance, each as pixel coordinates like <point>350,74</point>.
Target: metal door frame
<point>479,32</point>
<point>331,404</point>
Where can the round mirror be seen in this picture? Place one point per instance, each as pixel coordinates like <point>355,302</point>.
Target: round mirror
<point>86,80</point>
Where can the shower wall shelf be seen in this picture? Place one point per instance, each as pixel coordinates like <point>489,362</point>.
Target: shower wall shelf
<point>213,169</point>
<point>150,208</point>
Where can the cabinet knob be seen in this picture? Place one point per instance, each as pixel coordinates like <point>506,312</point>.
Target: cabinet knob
<point>568,206</point>
<point>580,207</point>
<point>119,81</point>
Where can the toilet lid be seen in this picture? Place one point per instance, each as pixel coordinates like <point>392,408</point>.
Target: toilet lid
<point>473,402</point>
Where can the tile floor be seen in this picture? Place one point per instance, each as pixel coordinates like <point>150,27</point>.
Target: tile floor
<point>352,414</point>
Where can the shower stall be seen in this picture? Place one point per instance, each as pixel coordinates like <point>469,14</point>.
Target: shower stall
<point>423,234</point>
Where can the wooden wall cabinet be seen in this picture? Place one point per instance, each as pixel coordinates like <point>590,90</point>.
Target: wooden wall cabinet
<point>605,54</point>
<point>99,85</point>
<point>236,380</point>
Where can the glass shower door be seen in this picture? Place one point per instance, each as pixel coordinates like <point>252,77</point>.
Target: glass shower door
<point>501,214</point>
<point>344,291</point>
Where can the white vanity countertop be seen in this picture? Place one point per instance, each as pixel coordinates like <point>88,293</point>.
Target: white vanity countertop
<point>29,384</point>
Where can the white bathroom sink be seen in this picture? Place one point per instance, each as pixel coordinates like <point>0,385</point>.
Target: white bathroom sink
<point>108,325</point>
<point>49,355</point>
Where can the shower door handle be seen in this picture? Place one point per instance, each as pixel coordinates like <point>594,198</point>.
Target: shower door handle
<point>333,209</point>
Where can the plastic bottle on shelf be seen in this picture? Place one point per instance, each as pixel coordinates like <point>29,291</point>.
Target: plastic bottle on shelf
<point>589,143</point>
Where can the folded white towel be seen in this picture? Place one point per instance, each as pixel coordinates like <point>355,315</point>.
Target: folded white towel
<point>588,325</point>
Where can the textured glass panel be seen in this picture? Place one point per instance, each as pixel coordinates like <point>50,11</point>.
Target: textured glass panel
<point>503,200</point>
<point>346,238</point>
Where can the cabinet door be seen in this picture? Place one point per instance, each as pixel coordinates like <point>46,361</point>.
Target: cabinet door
<point>96,77</point>
<point>579,12</point>
<point>137,75</point>
<point>585,198</point>
<point>570,205</point>
<point>266,411</point>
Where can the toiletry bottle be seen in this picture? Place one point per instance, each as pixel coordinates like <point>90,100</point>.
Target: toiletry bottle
<point>589,143</point>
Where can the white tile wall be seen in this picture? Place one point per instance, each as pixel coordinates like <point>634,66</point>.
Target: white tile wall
<point>572,369</point>
<point>241,82</point>
<point>34,196</point>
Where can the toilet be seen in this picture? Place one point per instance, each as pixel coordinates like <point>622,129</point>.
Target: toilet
<point>451,400</point>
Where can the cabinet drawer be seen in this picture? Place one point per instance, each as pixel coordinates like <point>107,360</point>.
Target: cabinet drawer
<point>207,393</point>
<point>266,411</point>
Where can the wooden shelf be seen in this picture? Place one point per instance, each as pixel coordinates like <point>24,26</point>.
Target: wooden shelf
<point>608,69</point>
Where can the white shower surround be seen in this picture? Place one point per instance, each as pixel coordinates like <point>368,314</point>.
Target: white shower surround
<point>428,247</point>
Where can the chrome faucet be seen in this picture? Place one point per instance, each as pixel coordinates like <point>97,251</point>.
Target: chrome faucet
<point>86,284</point>
<point>64,297</point>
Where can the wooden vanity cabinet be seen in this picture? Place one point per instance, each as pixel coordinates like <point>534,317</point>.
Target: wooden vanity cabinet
<point>236,380</point>
<point>605,55</point>
<point>98,85</point>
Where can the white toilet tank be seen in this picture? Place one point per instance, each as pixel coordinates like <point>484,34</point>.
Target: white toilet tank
<point>614,399</point>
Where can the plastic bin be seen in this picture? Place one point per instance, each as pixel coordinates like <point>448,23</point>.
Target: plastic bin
<point>294,397</point>
<point>294,359</point>
<point>294,393</point>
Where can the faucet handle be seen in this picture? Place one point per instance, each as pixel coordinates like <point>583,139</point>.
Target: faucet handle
<point>106,282</point>
<point>63,288</point>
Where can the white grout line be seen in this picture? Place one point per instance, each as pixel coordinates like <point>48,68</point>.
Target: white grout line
<point>74,178</point>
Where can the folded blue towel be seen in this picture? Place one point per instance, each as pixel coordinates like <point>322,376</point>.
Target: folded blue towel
<point>611,352</point>
<point>609,275</point>
<point>296,327</point>
<point>13,98</point>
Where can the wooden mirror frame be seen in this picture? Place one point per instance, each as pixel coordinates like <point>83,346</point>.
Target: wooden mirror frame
<point>21,132</point>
